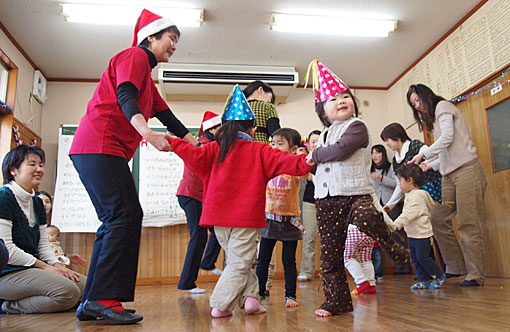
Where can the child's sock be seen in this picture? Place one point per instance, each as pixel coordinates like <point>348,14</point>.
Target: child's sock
<point>113,304</point>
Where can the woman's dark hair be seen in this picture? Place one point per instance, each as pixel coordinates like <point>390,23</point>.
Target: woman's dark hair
<point>16,156</point>
<point>291,135</point>
<point>394,131</point>
<point>42,192</point>
<point>319,109</point>
<point>145,43</point>
<point>385,164</point>
<point>412,171</point>
<point>314,132</point>
<point>253,86</point>
<point>227,135</point>
<point>429,100</point>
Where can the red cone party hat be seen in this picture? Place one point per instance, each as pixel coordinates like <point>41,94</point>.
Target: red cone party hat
<point>325,83</point>
<point>209,121</point>
<point>149,24</point>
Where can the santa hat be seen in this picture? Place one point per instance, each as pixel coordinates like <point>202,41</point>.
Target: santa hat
<point>325,83</point>
<point>237,107</point>
<point>149,24</point>
<point>209,121</point>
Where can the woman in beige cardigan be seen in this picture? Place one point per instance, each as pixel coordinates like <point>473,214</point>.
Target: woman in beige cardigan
<point>463,183</point>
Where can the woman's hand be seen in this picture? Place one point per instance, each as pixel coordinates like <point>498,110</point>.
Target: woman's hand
<point>77,260</point>
<point>387,209</point>
<point>376,176</point>
<point>159,140</point>
<point>58,268</point>
<point>425,166</point>
<point>417,159</point>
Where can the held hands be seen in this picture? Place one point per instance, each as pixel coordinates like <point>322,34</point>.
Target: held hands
<point>77,260</point>
<point>159,140</point>
<point>425,166</point>
<point>309,160</point>
<point>417,159</point>
<point>376,176</point>
<point>301,151</point>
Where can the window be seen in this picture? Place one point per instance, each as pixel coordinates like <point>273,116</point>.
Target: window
<point>4,79</point>
<point>499,122</point>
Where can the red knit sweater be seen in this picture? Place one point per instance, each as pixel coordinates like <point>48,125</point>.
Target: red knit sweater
<point>235,190</point>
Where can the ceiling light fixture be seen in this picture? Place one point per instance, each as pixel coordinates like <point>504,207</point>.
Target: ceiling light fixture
<point>331,25</point>
<point>127,15</point>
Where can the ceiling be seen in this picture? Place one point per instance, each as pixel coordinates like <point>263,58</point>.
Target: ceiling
<point>236,32</point>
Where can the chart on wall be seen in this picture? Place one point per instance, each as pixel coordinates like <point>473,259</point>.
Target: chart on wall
<point>156,175</point>
<point>479,47</point>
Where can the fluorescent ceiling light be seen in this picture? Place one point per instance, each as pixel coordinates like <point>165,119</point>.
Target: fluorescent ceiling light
<point>331,25</point>
<point>127,15</point>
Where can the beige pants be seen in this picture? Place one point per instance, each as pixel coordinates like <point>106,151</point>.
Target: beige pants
<point>309,240</point>
<point>35,290</point>
<point>238,279</point>
<point>463,194</point>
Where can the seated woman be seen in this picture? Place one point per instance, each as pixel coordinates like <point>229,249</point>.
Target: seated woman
<point>33,280</point>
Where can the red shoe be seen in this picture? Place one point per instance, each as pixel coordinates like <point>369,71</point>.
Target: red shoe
<point>370,290</point>
<point>360,289</point>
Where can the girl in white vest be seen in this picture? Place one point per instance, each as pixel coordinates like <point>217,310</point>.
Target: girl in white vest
<point>343,187</point>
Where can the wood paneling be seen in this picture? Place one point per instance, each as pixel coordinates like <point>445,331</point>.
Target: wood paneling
<point>27,135</point>
<point>497,196</point>
<point>162,253</point>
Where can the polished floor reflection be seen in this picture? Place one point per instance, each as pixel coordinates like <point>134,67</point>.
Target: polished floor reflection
<point>393,308</point>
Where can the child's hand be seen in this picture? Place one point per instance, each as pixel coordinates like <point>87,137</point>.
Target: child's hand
<point>387,209</point>
<point>309,160</point>
<point>77,260</point>
<point>301,151</point>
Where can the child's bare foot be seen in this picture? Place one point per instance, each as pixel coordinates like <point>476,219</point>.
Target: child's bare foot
<point>322,313</point>
<point>252,306</point>
<point>216,313</point>
<point>290,302</point>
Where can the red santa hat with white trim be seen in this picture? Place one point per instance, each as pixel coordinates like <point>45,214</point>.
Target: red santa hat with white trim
<point>209,121</point>
<point>149,24</point>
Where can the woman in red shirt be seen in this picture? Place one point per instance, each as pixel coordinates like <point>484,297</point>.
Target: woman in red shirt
<point>106,139</point>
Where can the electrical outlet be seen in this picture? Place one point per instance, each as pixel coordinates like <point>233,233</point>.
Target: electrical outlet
<point>496,89</point>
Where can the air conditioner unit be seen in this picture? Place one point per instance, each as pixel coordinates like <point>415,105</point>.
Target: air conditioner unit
<point>204,82</point>
<point>39,87</point>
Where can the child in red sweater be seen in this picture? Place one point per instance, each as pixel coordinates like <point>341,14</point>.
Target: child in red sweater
<point>235,171</point>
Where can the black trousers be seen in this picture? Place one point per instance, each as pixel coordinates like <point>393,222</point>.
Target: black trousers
<point>114,262</point>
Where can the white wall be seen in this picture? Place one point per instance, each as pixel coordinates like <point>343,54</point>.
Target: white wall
<point>67,102</point>
<point>26,109</point>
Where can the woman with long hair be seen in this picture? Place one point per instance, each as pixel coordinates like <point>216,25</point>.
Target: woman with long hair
<point>464,181</point>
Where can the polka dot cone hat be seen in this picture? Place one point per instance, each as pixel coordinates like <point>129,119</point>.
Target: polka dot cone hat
<point>237,107</point>
<point>325,83</point>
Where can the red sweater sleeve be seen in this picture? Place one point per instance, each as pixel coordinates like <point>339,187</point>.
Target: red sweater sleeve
<point>198,159</point>
<point>279,162</point>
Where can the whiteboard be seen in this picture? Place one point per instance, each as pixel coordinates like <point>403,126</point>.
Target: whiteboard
<point>156,174</point>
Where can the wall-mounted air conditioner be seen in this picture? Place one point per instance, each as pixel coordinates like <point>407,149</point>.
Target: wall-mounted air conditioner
<point>204,82</point>
<point>39,88</point>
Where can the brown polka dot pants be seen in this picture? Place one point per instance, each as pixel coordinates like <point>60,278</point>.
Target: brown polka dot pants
<point>334,214</point>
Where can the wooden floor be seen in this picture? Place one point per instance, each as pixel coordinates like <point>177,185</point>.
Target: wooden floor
<point>393,308</point>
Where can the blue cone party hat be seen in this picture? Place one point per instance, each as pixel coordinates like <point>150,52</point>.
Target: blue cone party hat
<point>237,107</point>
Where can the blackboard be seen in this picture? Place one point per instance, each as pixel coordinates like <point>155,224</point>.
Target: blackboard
<point>156,174</point>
